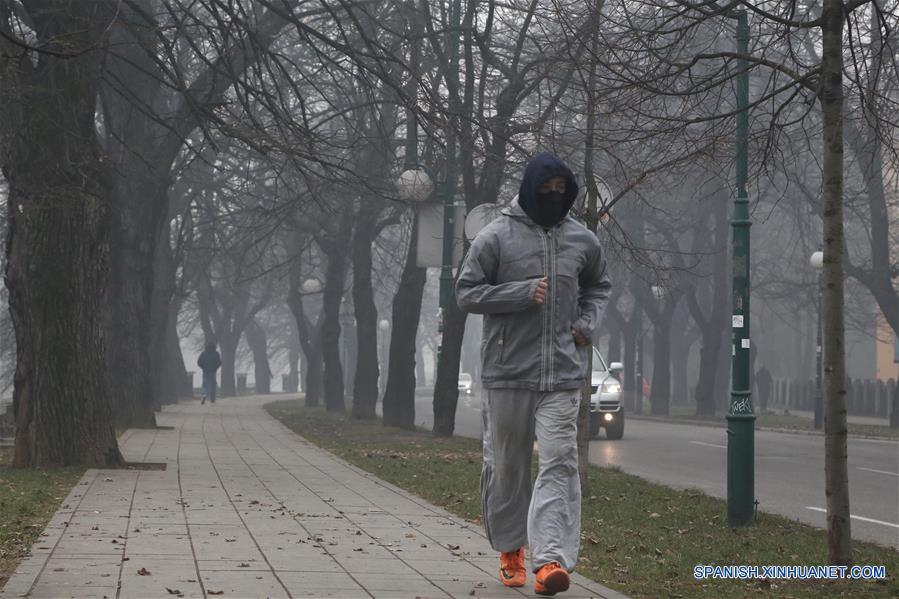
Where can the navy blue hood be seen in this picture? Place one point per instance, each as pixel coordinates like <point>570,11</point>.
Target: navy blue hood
<point>541,168</point>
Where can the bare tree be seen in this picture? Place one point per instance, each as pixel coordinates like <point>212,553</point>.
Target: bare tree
<point>57,252</point>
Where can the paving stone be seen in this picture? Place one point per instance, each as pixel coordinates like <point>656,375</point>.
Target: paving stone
<point>249,508</point>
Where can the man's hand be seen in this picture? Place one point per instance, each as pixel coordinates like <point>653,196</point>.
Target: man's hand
<point>579,339</point>
<point>540,294</point>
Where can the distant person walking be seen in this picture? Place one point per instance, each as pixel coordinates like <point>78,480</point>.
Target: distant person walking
<point>209,362</point>
<point>539,278</point>
<point>763,382</point>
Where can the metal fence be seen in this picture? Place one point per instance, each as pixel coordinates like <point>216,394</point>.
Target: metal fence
<point>872,398</point>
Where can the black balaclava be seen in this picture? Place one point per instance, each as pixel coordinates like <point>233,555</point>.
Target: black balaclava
<point>546,209</point>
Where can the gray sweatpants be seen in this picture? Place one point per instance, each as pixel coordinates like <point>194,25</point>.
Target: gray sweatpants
<point>549,520</point>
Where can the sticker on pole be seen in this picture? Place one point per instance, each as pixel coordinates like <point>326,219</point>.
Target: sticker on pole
<point>738,321</point>
<point>745,343</point>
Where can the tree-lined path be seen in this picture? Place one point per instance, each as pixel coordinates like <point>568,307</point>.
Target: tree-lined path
<point>246,508</point>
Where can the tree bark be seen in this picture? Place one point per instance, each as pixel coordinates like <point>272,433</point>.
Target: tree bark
<point>614,353</point>
<point>228,347</point>
<point>835,429</point>
<point>365,381</point>
<point>335,277</point>
<point>399,396</point>
<point>57,247</point>
<point>315,373</point>
<point>446,386</point>
<point>660,390</point>
<point>262,372</point>
<point>708,360</point>
<point>629,384</point>
<point>293,359</point>
<point>680,344</point>
<point>660,395</point>
<point>129,296</point>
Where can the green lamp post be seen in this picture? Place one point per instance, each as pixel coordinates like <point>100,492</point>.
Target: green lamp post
<point>449,188</point>
<point>740,416</point>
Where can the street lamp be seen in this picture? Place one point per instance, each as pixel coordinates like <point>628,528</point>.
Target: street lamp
<point>817,262</point>
<point>414,185</point>
<point>740,416</point>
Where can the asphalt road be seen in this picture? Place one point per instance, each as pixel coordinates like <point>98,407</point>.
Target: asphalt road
<point>789,468</point>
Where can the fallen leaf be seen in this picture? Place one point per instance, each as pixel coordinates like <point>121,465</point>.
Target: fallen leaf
<point>243,565</point>
<point>453,547</point>
<point>211,592</point>
<point>143,572</point>
<point>174,592</point>
<point>654,515</point>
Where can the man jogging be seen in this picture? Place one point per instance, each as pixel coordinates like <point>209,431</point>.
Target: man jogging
<point>539,278</point>
<point>209,362</point>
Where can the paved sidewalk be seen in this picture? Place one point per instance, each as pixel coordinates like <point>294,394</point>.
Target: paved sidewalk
<point>246,508</point>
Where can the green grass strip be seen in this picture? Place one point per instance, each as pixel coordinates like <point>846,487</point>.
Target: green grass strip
<point>28,499</point>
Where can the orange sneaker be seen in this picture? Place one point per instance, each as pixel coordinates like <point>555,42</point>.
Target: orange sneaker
<point>511,568</point>
<point>552,578</point>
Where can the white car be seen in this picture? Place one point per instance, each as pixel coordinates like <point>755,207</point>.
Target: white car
<point>465,383</point>
<point>606,410</point>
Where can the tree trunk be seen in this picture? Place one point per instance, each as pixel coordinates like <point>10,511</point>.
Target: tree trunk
<point>314,373</point>
<point>365,381</point>
<point>128,299</point>
<point>57,246</point>
<point>661,366</point>
<point>679,356</point>
<point>293,359</point>
<point>614,353</point>
<point>262,372</point>
<point>228,347</point>
<point>175,368</point>
<point>446,386</point>
<point>722,375</point>
<point>708,362</point>
<point>629,384</point>
<point>335,277</point>
<point>167,382</point>
<point>399,396</point>
<point>835,429</point>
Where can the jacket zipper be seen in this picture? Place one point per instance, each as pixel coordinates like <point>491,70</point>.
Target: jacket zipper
<point>544,369</point>
<point>552,304</point>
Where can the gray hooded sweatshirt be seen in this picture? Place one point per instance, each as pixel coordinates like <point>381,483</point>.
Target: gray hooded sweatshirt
<point>528,345</point>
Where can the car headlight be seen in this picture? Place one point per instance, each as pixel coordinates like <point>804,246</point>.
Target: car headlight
<point>608,417</point>
<point>611,387</point>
